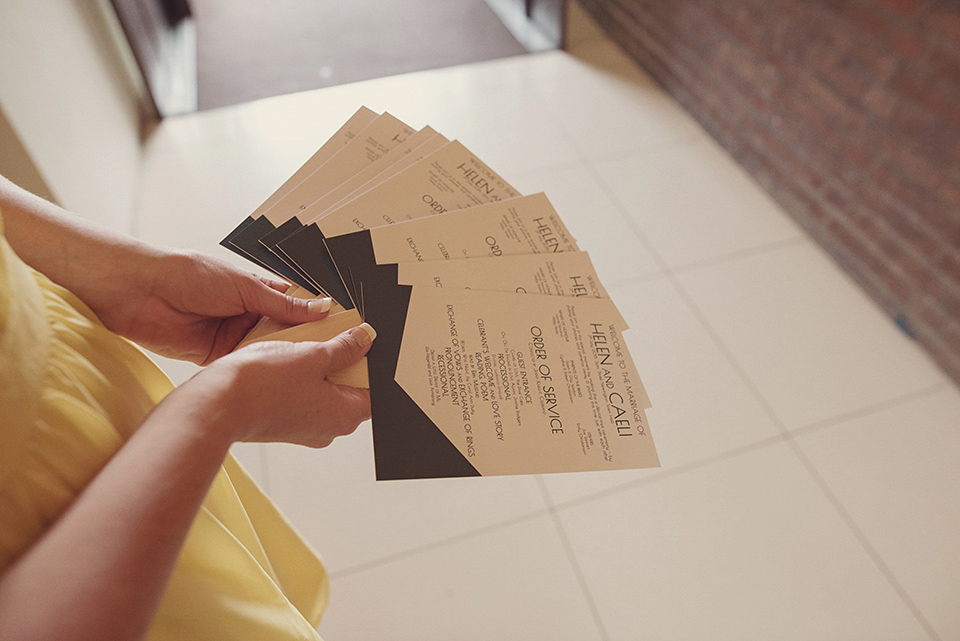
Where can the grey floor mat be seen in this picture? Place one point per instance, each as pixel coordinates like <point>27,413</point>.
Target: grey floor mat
<point>250,49</point>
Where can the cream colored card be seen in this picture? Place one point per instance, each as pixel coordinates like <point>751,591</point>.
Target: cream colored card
<point>526,384</point>
<point>267,325</point>
<point>368,146</point>
<point>567,274</point>
<point>448,179</point>
<point>345,134</point>
<point>299,292</point>
<point>522,225</point>
<point>323,330</point>
<point>434,144</point>
<point>416,147</point>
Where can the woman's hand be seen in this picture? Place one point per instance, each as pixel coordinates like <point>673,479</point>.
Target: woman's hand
<point>178,304</point>
<point>189,306</point>
<point>278,391</point>
<point>119,540</point>
<point>101,569</point>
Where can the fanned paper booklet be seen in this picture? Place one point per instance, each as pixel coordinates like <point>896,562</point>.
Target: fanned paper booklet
<point>498,349</point>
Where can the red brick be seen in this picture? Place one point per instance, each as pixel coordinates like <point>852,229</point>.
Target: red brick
<point>888,178</point>
<point>944,67</point>
<point>907,42</point>
<point>921,275</point>
<point>947,331</point>
<point>943,22</point>
<point>950,305</point>
<point>904,8</point>
<point>877,266</point>
<point>949,267</point>
<point>949,192</point>
<point>917,170</point>
<point>880,102</point>
<point>805,96</point>
<point>862,16</point>
<point>924,99</point>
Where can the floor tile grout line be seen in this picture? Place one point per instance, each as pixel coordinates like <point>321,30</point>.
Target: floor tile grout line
<point>550,507</point>
<point>785,434</point>
<point>721,259</point>
<point>435,545</point>
<point>554,510</point>
<point>590,164</point>
<point>665,474</point>
<point>825,489</point>
<point>529,516</point>
<point>613,285</point>
<point>671,273</point>
<point>574,562</point>
<point>862,538</point>
<point>584,159</point>
<point>752,447</point>
<point>546,170</point>
<point>755,392</point>
<point>739,254</point>
<point>868,410</point>
<point>683,140</point>
<point>641,150</point>
<point>713,261</point>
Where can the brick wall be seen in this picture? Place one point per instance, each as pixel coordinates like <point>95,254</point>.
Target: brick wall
<point>847,112</point>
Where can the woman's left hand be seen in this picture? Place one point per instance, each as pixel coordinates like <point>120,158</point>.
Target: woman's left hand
<point>179,304</point>
<point>193,307</point>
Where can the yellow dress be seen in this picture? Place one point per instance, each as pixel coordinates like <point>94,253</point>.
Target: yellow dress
<point>71,393</point>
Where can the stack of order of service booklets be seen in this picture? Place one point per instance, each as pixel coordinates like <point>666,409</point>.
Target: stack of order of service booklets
<point>498,350</point>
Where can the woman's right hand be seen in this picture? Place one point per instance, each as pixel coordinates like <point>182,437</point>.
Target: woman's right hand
<point>276,391</point>
<point>118,542</point>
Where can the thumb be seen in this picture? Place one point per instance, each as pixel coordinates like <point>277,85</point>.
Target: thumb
<point>350,346</point>
<point>286,309</point>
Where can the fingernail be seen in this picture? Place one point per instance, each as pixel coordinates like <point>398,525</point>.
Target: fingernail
<point>320,305</point>
<point>365,336</point>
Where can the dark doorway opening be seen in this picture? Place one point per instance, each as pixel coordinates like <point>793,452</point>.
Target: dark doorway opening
<point>203,54</point>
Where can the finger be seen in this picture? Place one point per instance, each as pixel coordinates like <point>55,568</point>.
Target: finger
<point>350,346</point>
<point>278,285</point>
<point>229,334</point>
<point>353,409</point>
<point>267,301</point>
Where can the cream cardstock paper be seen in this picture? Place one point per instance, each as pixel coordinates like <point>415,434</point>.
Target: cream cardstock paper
<point>526,384</point>
<point>411,151</point>
<point>450,178</point>
<point>368,146</point>
<point>566,274</point>
<point>323,330</point>
<point>521,225</point>
<point>510,345</point>
<point>267,325</point>
<point>357,122</point>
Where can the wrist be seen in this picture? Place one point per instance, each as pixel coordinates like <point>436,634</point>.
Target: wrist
<point>206,405</point>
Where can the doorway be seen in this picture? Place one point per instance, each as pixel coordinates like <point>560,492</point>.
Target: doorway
<point>206,54</point>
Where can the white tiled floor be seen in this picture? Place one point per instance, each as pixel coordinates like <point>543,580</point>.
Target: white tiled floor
<point>809,486</point>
